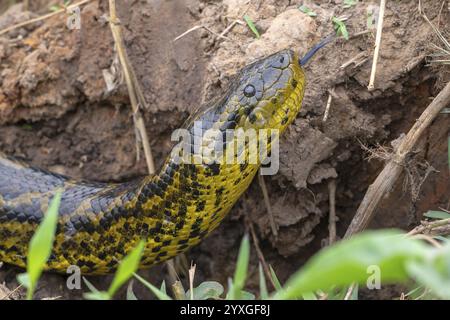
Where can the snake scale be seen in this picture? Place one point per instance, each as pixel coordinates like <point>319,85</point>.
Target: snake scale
<point>99,223</point>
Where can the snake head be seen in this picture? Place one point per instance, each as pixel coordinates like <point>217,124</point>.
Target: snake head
<point>268,92</point>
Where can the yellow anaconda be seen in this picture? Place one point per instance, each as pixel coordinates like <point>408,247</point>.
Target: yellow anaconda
<point>99,223</point>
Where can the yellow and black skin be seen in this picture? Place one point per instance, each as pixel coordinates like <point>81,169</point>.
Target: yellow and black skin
<point>100,223</point>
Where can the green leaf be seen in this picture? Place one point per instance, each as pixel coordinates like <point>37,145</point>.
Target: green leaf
<point>130,292</point>
<point>340,28</point>
<point>348,261</point>
<point>126,268</point>
<point>263,293</point>
<point>252,26</point>
<point>240,274</point>
<point>24,280</point>
<point>433,272</point>
<point>350,3</point>
<point>436,214</point>
<point>158,293</point>
<point>307,11</point>
<point>41,245</point>
<point>245,295</point>
<point>207,290</point>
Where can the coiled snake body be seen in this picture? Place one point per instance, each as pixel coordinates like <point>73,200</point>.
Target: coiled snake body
<point>99,223</point>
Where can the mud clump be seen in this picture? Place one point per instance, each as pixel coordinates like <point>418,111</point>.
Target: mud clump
<point>64,107</point>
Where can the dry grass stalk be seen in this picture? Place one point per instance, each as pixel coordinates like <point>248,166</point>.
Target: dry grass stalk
<point>263,186</point>
<point>134,91</point>
<point>376,52</point>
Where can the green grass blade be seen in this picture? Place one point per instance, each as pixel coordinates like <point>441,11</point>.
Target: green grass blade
<point>275,280</point>
<point>94,293</point>
<point>206,290</point>
<point>252,26</point>
<point>349,3</point>
<point>163,287</point>
<point>263,293</point>
<point>41,245</point>
<point>130,292</point>
<point>127,268</point>
<point>354,295</point>
<point>307,11</point>
<point>158,293</point>
<point>230,292</point>
<point>90,286</point>
<point>340,27</point>
<point>433,272</point>
<point>240,274</point>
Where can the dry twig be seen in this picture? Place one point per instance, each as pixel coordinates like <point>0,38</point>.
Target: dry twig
<point>259,252</point>
<point>328,107</point>
<point>11,292</point>
<point>439,227</point>
<point>134,91</point>
<point>357,60</point>
<point>263,186</point>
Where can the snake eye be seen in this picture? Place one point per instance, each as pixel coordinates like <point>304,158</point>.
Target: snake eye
<point>249,90</point>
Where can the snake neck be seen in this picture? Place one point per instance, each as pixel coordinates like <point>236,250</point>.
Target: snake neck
<point>185,202</point>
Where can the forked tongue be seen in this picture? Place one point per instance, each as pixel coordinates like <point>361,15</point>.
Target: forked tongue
<point>314,49</point>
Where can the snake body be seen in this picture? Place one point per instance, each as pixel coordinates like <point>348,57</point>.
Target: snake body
<point>99,223</point>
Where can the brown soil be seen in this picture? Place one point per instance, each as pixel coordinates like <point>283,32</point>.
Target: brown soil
<point>57,112</point>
